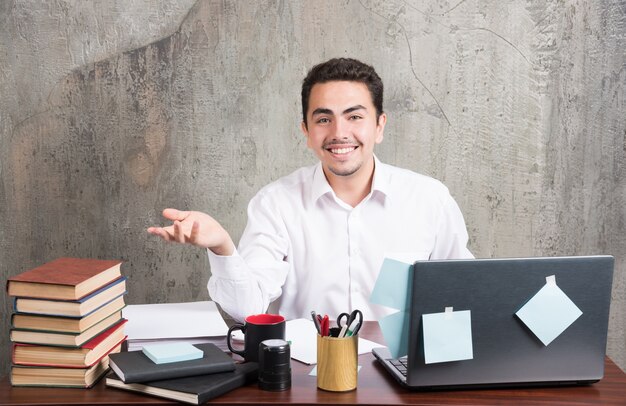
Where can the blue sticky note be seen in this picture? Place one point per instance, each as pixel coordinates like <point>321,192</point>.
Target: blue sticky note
<point>392,288</point>
<point>395,328</point>
<point>549,313</point>
<point>447,336</point>
<point>164,353</point>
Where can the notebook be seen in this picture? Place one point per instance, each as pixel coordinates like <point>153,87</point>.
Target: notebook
<point>505,351</point>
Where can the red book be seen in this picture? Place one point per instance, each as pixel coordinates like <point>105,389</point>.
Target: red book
<point>85,356</point>
<point>64,278</point>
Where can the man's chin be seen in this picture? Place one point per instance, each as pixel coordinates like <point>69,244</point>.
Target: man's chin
<point>344,171</point>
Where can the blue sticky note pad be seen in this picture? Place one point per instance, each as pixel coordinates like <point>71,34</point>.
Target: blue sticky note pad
<point>392,288</point>
<point>549,313</point>
<point>171,352</point>
<point>447,336</point>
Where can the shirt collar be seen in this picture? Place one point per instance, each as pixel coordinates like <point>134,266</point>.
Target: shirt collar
<point>320,183</point>
<point>380,183</point>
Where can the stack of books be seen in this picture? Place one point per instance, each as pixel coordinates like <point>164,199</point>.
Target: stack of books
<point>67,319</point>
<point>179,371</point>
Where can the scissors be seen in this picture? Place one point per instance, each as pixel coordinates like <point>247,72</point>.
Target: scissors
<point>353,322</point>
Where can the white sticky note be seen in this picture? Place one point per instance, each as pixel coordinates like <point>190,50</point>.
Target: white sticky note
<point>550,312</point>
<point>447,336</point>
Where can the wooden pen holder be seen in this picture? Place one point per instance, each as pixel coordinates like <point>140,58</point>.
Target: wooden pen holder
<point>337,363</point>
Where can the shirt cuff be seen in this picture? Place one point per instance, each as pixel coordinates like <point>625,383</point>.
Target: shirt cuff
<point>227,266</point>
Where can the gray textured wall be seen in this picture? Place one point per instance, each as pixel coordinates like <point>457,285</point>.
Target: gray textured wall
<point>113,110</point>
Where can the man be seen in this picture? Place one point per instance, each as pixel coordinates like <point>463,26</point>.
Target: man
<point>315,239</point>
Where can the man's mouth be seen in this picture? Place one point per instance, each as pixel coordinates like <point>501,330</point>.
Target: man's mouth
<point>342,150</point>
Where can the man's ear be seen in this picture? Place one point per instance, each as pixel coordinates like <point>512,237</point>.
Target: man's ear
<point>380,128</point>
<point>305,131</point>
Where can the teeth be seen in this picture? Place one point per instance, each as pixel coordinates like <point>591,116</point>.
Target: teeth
<point>341,150</point>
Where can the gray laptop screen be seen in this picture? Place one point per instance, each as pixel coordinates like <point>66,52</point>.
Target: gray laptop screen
<point>505,350</point>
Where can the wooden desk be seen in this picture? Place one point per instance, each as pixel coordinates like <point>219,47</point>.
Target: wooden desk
<point>375,387</point>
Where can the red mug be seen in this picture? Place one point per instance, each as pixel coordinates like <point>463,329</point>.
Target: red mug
<point>257,328</point>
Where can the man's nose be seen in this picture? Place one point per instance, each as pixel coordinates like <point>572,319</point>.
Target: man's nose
<point>342,129</point>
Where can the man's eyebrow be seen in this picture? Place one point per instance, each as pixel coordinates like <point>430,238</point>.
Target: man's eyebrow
<point>321,110</point>
<point>354,108</point>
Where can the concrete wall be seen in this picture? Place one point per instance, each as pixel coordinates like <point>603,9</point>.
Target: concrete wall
<point>111,111</point>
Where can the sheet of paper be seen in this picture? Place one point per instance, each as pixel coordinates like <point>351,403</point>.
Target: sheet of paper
<point>393,289</point>
<point>302,335</point>
<point>314,370</point>
<point>447,336</point>
<point>549,313</point>
<point>174,320</point>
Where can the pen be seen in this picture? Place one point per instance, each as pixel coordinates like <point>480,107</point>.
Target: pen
<point>316,322</point>
<point>354,328</point>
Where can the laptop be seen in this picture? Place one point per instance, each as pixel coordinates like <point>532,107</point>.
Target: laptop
<point>506,353</point>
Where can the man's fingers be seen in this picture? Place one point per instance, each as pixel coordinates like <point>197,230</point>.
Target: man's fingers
<point>179,235</point>
<point>195,228</point>
<point>173,214</point>
<point>161,232</point>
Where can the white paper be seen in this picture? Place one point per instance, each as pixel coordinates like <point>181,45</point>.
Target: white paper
<point>173,320</point>
<point>303,337</point>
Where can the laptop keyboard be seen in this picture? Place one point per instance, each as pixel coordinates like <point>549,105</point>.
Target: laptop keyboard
<point>400,364</point>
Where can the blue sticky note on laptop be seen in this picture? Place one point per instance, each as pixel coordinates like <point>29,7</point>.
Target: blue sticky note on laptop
<point>550,312</point>
<point>447,336</point>
<point>164,353</point>
<point>393,289</point>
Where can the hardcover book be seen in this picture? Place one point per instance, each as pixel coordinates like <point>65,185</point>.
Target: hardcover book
<point>109,341</point>
<point>195,390</point>
<point>64,278</point>
<point>74,308</point>
<point>135,366</point>
<point>61,377</point>
<point>64,339</point>
<point>67,324</point>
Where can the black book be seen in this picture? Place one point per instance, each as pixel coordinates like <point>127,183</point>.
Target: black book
<point>194,389</point>
<point>135,366</point>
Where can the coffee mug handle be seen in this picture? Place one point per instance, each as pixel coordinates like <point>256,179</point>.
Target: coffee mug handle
<point>228,338</point>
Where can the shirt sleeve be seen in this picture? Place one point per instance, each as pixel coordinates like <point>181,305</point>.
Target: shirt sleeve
<point>248,281</point>
<point>451,238</point>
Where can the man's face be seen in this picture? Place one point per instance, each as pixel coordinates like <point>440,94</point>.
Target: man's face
<point>342,128</point>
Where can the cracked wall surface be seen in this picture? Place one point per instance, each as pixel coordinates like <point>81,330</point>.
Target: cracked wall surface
<point>111,111</point>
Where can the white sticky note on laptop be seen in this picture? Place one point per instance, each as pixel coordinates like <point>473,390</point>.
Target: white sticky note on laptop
<point>447,336</point>
<point>550,312</point>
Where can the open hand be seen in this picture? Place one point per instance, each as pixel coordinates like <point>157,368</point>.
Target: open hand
<point>197,228</point>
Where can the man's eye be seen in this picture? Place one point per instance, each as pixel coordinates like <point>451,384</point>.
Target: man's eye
<point>355,117</point>
<point>323,120</point>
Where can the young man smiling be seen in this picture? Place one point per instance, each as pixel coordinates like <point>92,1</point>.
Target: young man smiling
<point>315,239</point>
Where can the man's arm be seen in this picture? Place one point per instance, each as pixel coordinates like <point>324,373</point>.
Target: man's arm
<point>243,282</point>
<point>451,239</point>
<point>248,281</point>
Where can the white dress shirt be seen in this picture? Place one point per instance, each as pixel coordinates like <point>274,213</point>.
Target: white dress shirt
<point>305,249</point>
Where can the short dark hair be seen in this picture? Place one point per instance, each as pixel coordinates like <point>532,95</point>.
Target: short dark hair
<point>343,69</point>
